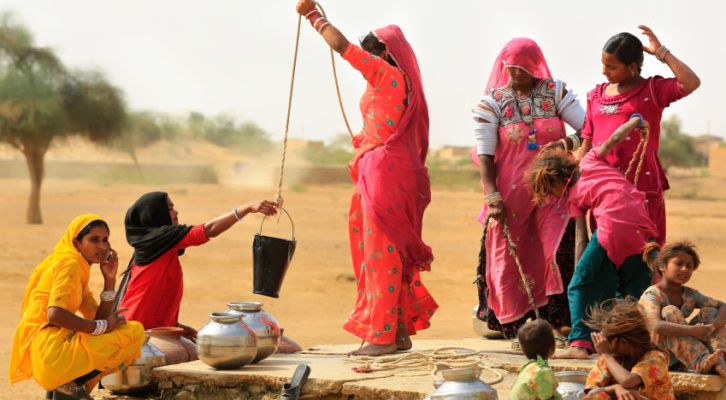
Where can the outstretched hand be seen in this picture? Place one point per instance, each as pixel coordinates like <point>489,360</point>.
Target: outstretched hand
<point>266,207</point>
<point>654,43</point>
<point>305,6</point>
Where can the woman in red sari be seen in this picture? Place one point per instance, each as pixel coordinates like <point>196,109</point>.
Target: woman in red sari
<point>392,188</point>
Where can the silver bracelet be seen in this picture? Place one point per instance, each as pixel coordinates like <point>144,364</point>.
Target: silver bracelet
<point>108,295</point>
<point>564,144</point>
<point>101,326</point>
<point>492,198</point>
<point>661,53</point>
<point>234,212</point>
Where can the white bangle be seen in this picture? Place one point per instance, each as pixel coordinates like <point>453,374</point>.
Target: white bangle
<point>234,212</point>
<point>564,144</point>
<point>108,295</point>
<point>101,326</point>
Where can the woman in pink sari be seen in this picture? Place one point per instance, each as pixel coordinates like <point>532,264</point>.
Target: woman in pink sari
<point>392,188</point>
<point>523,109</point>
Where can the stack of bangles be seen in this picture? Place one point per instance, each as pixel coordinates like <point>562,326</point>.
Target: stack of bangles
<point>491,198</point>
<point>317,20</point>
<point>101,326</point>
<point>661,53</point>
<point>576,142</point>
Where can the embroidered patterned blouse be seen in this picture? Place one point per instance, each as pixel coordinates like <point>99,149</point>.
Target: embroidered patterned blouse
<point>652,369</point>
<point>383,102</point>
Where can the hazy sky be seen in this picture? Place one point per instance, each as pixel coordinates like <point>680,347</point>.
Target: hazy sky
<point>235,56</point>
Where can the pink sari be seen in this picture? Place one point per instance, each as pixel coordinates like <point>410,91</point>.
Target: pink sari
<point>393,180</point>
<point>392,192</point>
<point>536,231</point>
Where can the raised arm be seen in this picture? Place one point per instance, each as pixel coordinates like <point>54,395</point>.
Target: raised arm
<point>331,34</point>
<point>682,72</point>
<point>225,221</point>
<point>636,120</point>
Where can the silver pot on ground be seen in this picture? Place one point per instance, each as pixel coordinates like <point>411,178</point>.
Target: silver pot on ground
<point>571,384</point>
<point>136,377</point>
<point>226,342</point>
<point>262,324</point>
<point>462,384</point>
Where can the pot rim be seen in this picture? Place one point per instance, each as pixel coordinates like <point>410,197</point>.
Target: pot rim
<point>166,331</point>
<point>225,317</point>
<point>245,305</point>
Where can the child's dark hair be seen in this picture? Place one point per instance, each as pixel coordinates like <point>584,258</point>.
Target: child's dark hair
<point>536,339</point>
<point>618,318</point>
<point>627,48</point>
<point>657,257</point>
<point>549,168</point>
<point>93,224</point>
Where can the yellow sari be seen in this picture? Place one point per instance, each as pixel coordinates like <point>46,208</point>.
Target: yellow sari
<point>53,355</point>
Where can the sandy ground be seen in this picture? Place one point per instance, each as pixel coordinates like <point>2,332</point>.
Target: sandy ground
<point>319,291</point>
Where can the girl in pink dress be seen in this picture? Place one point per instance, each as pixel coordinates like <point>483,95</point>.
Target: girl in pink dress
<point>611,265</point>
<point>610,104</point>
<point>523,109</point>
<point>392,188</point>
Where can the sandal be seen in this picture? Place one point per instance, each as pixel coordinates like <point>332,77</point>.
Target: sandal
<point>291,391</point>
<point>560,342</point>
<point>71,391</point>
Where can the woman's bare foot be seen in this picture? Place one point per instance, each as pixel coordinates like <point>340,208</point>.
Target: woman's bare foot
<point>572,353</point>
<point>375,350</point>
<point>711,362</point>
<point>721,368</point>
<point>403,341</point>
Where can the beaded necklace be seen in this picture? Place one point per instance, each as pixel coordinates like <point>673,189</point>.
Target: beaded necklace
<point>528,119</point>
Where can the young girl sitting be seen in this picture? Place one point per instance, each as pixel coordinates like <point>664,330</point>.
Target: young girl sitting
<point>536,381</point>
<point>611,265</point>
<point>629,366</point>
<point>700,345</point>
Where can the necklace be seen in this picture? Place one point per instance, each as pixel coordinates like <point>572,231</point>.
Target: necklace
<point>528,119</point>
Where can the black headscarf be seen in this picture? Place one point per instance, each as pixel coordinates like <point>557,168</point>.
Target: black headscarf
<point>149,230</point>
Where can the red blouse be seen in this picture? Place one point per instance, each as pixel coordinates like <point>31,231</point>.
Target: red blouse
<point>155,290</point>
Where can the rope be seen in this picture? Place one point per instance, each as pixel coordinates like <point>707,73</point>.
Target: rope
<point>512,248</point>
<point>639,149</point>
<point>335,78</point>
<point>278,197</point>
<point>426,362</point>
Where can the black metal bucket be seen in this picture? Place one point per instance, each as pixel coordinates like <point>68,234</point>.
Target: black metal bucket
<point>271,257</point>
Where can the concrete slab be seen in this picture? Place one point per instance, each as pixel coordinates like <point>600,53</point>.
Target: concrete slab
<point>333,378</point>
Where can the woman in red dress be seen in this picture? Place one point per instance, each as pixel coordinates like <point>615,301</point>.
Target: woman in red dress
<point>392,188</point>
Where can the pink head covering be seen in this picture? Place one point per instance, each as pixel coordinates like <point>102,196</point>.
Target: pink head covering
<point>393,182</point>
<point>521,53</point>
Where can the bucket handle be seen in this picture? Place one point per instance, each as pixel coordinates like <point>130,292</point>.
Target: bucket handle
<point>288,216</point>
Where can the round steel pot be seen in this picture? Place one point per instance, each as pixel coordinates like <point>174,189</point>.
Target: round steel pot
<point>226,342</point>
<point>262,324</point>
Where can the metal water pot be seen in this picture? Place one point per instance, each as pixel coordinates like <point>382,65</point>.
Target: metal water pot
<point>262,324</point>
<point>226,342</point>
<point>462,384</point>
<point>136,377</point>
<point>571,384</point>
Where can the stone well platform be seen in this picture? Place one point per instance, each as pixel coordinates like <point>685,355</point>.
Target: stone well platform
<point>333,378</point>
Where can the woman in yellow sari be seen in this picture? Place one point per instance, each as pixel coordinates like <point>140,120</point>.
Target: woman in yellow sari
<point>63,352</point>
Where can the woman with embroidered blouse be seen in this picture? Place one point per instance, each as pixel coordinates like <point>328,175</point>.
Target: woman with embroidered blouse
<point>392,188</point>
<point>523,109</point>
